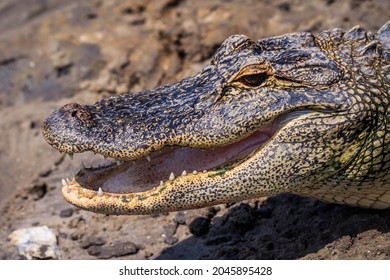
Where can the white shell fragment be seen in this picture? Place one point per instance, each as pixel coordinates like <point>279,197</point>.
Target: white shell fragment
<point>36,243</point>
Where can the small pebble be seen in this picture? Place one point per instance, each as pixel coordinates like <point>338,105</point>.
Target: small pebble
<point>180,217</point>
<point>170,240</point>
<point>66,213</point>
<point>92,240</point>
<point>170,229</point>
<point>116,250</point>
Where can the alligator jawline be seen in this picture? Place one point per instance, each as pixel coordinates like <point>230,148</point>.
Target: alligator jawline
<point>170,162</point>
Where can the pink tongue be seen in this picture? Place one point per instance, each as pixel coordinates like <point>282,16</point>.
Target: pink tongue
<point>145,175</point>
<point>196,159</point>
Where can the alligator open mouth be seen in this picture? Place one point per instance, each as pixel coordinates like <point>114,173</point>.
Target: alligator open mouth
<point>170,162</point>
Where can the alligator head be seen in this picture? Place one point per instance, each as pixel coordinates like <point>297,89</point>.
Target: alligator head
<point>295,113</point>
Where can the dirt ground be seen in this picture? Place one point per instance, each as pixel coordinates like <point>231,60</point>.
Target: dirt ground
<point>54,52</point>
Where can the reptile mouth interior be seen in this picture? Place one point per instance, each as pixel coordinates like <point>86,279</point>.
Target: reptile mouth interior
<point>171,162</point>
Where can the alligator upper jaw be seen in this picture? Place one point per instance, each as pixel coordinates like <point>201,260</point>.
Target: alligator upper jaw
<point>169,163</point>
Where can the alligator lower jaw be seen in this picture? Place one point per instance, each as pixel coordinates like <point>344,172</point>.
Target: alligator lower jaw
<point>169,164</point>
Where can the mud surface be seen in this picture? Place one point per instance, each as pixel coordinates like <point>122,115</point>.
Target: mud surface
<point>54,52</point>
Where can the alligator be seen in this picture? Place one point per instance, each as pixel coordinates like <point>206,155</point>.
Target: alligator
<point>298,113</point>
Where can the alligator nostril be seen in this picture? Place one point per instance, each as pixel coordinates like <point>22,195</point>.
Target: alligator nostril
<point>78,113</point>
<point>71,107</point>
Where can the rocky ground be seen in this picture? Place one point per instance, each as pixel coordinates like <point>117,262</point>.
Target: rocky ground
<point>54,52</point>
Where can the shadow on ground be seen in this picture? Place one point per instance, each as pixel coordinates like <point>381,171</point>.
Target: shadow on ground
<point>285,227</point>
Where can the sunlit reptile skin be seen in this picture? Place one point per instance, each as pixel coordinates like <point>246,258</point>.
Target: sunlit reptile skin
<point>337,150</point>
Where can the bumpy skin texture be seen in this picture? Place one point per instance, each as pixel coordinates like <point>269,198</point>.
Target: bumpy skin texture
<point>328,94</point>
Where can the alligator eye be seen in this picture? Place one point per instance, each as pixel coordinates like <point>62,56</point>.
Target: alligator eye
<point>254,79</point>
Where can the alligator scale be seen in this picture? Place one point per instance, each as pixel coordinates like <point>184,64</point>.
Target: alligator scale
<point>299,113</point>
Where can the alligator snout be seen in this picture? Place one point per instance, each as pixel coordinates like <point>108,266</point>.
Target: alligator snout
<point>73,120</point>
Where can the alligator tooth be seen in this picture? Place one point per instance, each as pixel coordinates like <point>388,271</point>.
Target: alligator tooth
<point>64,182</point>
<point>161,183</point>
<point>205,171</point>
<point>148,157</point>
<point>67,180</point>
<point>82,165</point>
<point>184,173</point>
<point>118,162</point>
<point>100,192</point>
<point>172,177</point>
<point>70,156</point>
<point>194,172</point>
